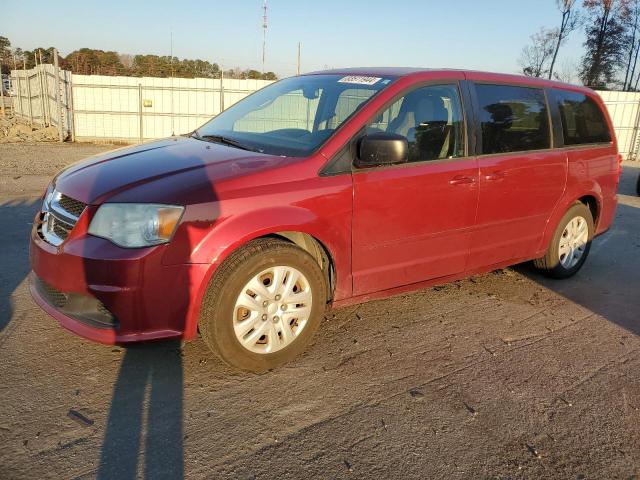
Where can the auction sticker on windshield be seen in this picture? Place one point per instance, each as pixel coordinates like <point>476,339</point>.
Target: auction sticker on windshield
<point>360,80</point>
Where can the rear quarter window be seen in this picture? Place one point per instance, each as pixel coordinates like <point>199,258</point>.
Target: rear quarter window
<point>583,121</point>
<point>512,119</point>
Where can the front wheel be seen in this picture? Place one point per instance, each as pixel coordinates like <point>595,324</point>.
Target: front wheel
<point>263,305</point>
<point>570,244</point>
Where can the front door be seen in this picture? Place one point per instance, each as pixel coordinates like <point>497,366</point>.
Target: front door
<point>413,222</point>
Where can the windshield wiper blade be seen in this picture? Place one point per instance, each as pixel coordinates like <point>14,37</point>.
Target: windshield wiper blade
<point>224,140</point>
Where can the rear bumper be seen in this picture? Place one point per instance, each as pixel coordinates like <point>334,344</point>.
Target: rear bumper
<point>149,300</point>
<point>607,213</point>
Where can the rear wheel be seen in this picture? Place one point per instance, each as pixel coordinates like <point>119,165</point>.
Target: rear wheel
<point>263,305</point>
<point>570,244</point>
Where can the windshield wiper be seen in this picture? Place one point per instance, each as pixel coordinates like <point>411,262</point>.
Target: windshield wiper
<point>223,140</point>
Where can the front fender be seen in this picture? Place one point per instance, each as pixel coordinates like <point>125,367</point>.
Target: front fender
<point>231,233</point>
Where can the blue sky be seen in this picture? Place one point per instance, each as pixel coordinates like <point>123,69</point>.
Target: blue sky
<point>472,34</point>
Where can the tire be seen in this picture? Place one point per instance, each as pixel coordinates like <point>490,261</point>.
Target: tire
<point>557,265</point>
<point>638,186</point>
<point>221,317</point>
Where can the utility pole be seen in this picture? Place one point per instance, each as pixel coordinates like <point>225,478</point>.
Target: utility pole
<point>299,47</point>
<point>264,32</point>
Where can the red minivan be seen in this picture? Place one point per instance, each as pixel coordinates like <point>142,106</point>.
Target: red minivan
<point>323,189</point>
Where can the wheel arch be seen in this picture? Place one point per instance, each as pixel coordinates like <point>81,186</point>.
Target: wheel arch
<point>328,245</point>
<point>315,248</point>
<point>594,205</point>
<point>591,198</point>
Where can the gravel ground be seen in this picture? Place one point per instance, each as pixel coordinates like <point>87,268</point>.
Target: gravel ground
<point>27,168</point>
<point>502,376</point>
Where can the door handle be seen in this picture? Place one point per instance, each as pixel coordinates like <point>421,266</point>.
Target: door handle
<point>498,175</point>
<point>461,180</point>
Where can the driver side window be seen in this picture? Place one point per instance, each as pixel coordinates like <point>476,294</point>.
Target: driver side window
<point>431,120</point>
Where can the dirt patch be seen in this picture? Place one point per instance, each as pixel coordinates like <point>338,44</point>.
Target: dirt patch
<point>15,130</point>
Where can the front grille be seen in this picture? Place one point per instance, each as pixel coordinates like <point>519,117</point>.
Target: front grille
<point>60,229</point>
<point>71,205</point>
<point>86,309</point>
<point>51,295</point>
<point>59,215</point>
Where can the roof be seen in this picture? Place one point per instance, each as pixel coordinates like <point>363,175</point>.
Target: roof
<point>372,71</point>
<point>470,74</point>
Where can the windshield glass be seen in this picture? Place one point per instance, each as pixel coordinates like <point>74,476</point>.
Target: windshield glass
<point>294,116</point>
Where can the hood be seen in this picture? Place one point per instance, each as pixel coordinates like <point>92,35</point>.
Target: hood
<point>163,170</point>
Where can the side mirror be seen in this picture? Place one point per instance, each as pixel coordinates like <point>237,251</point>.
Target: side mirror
<point>382,149</point>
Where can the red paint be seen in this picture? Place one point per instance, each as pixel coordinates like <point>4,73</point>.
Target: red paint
<point>410,223</point>
<point>387,230</point>
<point>517,193</point>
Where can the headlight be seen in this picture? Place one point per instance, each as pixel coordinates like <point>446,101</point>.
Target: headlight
<point>135,225</point>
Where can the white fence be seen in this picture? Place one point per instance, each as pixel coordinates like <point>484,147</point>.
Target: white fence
<point>130,109</point>
<point>624,109</point>
<point>41,96</point>
<point>124,109</point>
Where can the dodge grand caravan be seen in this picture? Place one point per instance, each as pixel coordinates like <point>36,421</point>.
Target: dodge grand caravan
<point>330,188</point>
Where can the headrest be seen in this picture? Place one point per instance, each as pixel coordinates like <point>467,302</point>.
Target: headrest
<point>425,108</point>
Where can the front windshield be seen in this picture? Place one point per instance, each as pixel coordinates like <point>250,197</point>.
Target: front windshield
<point>294,116</point>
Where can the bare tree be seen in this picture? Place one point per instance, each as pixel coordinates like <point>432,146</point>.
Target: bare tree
<point>570,21</point>
<point>567,72</point>
<point>535,57</point>
<point>605,43</point>
<point>634,43</point>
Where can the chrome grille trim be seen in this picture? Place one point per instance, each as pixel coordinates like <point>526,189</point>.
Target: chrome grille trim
<point>59,215</point>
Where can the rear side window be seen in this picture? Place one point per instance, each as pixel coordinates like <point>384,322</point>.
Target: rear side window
<point>582,120</point>
<point>512,119</point>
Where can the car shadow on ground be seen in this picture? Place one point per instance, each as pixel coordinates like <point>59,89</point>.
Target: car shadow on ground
<point>19,214</point>
<point>146,412</point>
<point>608,283</point>
<point>151,372</point>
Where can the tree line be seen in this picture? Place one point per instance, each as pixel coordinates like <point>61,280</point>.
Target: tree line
<point>89,61</point>
<point>611,46</point>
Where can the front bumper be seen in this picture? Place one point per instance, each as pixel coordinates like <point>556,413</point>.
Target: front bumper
<point>147,299</point>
